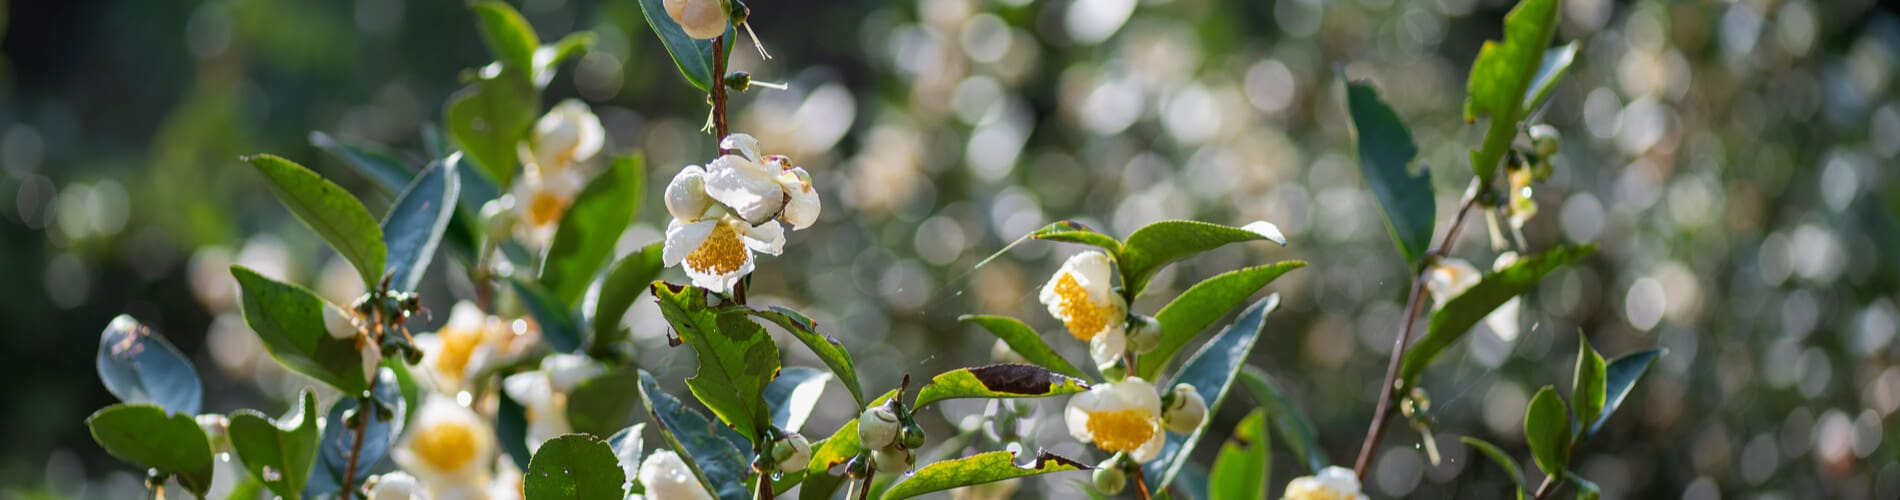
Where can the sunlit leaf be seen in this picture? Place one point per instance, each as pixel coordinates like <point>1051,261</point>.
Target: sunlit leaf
<point>507,34</point>
<point>1550,70</point>
<point>1156,245</point>
<point>330,211</point>
<point>489,118</point>
<point>1025,341</point>
<point>148,436</point>
<point>1190,313</point>
<point>1386,151</point>
<point>1500,77</point>
<point>1076,232</point>
<point>716,463</point>
<point>693,56</point>
<point>137,365</point>
<point>414,226</point>
<point>291,321</point>
<point>383,169</point>
<point>1288,421</point>
<point>736,356</point>
<point>585,239</point>
<point>1619,378</point>
<point>1211,371</point>
<point>828,350</point>
<point>998,381</point>
<point>280,452</point>
<point>1586,386</point>
<point>793,395</point>
<point>1547,430</point>
<point>1242,468</point>
<point>574,467</point>
<point>1452,321</point>
<point>1504,461</point>
<point>976,469</point>
<point>604,404</point>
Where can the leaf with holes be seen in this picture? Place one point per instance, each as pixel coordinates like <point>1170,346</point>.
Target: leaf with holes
<point>137,365</point>
<point>1190,313</point>
<point>1007,380</point>
<point>977,469</point>
<point>1211,371</point>
<point>1025,341</point>
<point>736,357</point>
<point>148,436</point>
<point>330,211</point>
<point>279,453</point>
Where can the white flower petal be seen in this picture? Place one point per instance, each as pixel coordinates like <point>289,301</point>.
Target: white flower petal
<point>569,134</point>
<point>801,210</point>
<point>1449,278</point>
<point>665,476</point>
<point>767,238</point>
<point>1108,345</point>
<point>686,195</point>
<point>684,238</point>
<point>746,187</point>
<point>745,144</point>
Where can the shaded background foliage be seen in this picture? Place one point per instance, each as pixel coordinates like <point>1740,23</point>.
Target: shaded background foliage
<point>1733,160</point>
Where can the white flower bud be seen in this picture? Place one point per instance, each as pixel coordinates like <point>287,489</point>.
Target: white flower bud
<point>792,452</point>
<point>686,195</point>
<point>893,459</point>
<point>1109,478</point>
<point>217,429</point>
<point>1144,334</point>
<point>1545,139</point>
<point>498,218</point>
<point>395,486</point>
<point>702,19</point>
<point>878,427</point>
<point>1185,411</point>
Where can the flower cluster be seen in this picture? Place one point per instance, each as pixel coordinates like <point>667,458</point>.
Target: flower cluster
<point>732,207</point>
<point>554,163</point>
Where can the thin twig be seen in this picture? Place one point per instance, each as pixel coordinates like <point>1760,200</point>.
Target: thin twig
<point>363,410</point>
<point>1383,413</point>
<point>864,487</point>
<point>718,84</point>
<point>1549,486</point>
<point>765,487</point>
<point>1141,485</point>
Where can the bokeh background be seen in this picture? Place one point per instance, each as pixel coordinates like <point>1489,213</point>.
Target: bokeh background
<point>1734,159</point>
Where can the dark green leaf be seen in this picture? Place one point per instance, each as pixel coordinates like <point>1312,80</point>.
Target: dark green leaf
<point>1189,314</point>
<point>1586,386</point>
<point>1547,430</point>
<point>330,211</point>
<point>1292,425</point>
<point>384,170</point>
<point>693,56</point>
<point>489,118</point>
<point>1550,70</point>
<point>1211,371</point>
<point>333,448</point>
<point>511,430</point>
<point>604,404</point>
<point>555,319</point>
<point>576,467</point>
<point>507,34</point>
<point>1620,377</point>
<point>793,395</point>
<point>1156,245</point>
<point>976,469</point>
<point>146,435</point>
<point>1586,490</point>
<point>626,281</point>
<point>1501,458</point>
<point>718,465</point>
<point>584,240</point>
<point>998,381</point>
<point>295,324</point>
<point>1025,341</point>
<point>1455,318</point>
<point>137,365</point>
<point>829,350</point>
<point>415,224</point>
<point>1386,151</point>
<point>736,357</point>
<point>1243,466</point>
<point>1076,232</point>
<point>278,452</point>
<point>1502,75</point>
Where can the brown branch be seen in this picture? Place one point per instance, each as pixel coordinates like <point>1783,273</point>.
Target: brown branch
<point>864,487</point>
<point>718,84</point>
<point>1141,485</point>
<point>364,407</point>
<point>765,487</point>
<point>1383,414</point>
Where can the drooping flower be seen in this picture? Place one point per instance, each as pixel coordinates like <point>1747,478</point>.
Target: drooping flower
<point>701,19</point>
<point>665,476</point>
<point>1449,278</point>
<point>717,248</point>
<point>1331,483</point>
<point>567,136</point>
<point>447,447</point>
<point>1083,297</point>
<point>541,198</point>
<point>1119,417</point>
<point>544,393</point>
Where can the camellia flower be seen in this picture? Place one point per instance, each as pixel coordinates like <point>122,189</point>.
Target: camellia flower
<point>1082,296</point>
<point>469,343</point>
<point>395,486</point>
<point>447,447</point>
<point>1119,417</point>
<point>1449,278</point>
<point>544,393</point>
<point>568,135</point>
<point>541,197</point>
<point>717,248</point>
<point>759,188</point>
<point>1331,483</point>
<point>665,476</point>
<point>702,19</point>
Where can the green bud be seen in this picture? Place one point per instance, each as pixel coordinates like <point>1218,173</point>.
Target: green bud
<point>913,437</point>
<point>1109,478</point>
<point>1545,140</point>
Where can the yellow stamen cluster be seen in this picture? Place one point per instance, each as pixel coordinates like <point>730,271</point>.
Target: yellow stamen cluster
<point>546,208</point>
<point>457,345</point>
<point>722,253</point>
<point>446,446</point>
<point>1120,430</point>
<point>1086,319</point>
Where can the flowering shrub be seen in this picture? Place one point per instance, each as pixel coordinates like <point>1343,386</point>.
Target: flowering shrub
<point>529,387</point>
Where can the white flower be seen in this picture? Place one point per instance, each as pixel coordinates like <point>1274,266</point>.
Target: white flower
<point>568,135</point>
<point>746,182</point>
<point>1082,295</point>
<point>702,19</point>
<point>541,198</point>
<point>1450,278</point>
<point>801,202</point>
<point>686,195</point>
<point>717,249</point>
<point>470,342</point>
<point>546,408</point>
<point>1185,411</point>
<point>395,486</point>
<point>1331,483</point>
<point>448,447</point>
<point>665,476</point>
<point>1118,417</point>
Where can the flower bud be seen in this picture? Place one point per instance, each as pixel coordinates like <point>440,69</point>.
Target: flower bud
<point>878,426</point>
<point>702,19</point>
<point>1144,333</point>
<point>1109,478</point>
<point>1186,410</point>
<point>792,452</point>
<point>686,195</point>
<point>394,486</point>
<point>218,429</point>
<point>913,436</point>
<point>893,460</point>
<point>498,218</point>
<point>1113,370</point>
<point>1545,139</point>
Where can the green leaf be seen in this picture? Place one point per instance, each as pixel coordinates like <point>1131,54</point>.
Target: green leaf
<point>1156,245</point>
<point>1007,380</point>
<point>330,211</point>
<point>489,118</point>
<point>278,452</point>
<point>1620,377</point>
<point>574,466</point>
<point>1189,314</point>
<point>1211,371</point>
<point>415,224</point>
<point>693,56</point>
<point>1550,70</point>
<point>511,430</point>
<point>555,319</point>
<point>1076,232</point>
<point>333,448</point>
<point>1586,490</point>
<point>1243,466</point>
<point>1455,318</point>
<point>713,460</point>
<point>585,238</point>
<point>793,395</point>
<point>1292,425</point>
<point>828,349</point>
<point>1025,341</point>
<point>147,436</point>
<point>1386,151</point>
<point>291,321</point>
<point>626,281</point>
<point>1502,75</point>
<point>1547,429</point>
<point>602,405</point>
<point>548,58</point>
<point>736,357</point>
<point>384,170</point>
<point>137,365</point>
<point>977,469</point>
<point>1501,458</point>
<point>1586,387</point>
<point>507,34</point>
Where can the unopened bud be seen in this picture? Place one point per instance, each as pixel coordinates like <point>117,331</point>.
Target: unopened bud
<point>1186,410</point>
<point>913,436</point>
<point>701,19</point>
<point>893,460</point>
<point>498,217</point>
<point>1109,478</point>
<point>1144,333</point>
<point>792,452</point>
<point>1545,140</point>
<point>878,426</point>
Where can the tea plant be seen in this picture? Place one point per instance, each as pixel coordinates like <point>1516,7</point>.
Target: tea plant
<point>529,387</point>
